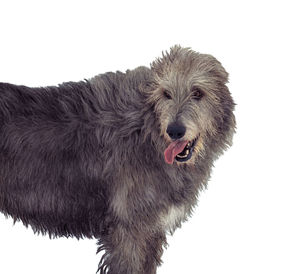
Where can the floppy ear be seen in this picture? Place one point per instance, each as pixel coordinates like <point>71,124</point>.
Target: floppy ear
<point>148,86</point>
<point>216,69</point>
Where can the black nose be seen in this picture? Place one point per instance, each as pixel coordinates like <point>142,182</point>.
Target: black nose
<point>176,131</point>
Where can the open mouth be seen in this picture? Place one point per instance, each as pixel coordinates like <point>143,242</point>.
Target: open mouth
<point>187,152</point>
<point>179,150</point>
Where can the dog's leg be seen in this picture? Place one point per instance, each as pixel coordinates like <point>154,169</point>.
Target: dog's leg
<point>131,251</point>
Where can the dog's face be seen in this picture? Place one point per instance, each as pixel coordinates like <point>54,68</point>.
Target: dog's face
<point>192,103</point>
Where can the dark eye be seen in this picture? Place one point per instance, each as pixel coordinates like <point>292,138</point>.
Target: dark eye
<point>167,94</point>
<point>197,94</point>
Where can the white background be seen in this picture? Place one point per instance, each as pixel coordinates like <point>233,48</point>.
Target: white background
<point>248,219</point>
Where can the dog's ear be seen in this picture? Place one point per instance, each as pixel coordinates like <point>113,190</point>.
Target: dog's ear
<point>213,67</point>
<point>147,86</point>
<point>216,69</point>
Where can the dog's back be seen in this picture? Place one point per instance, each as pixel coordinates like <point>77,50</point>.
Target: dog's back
<point>55,143</point>
<point>47,143</point>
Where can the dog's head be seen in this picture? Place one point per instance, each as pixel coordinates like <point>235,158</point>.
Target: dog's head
<point>192,104</point>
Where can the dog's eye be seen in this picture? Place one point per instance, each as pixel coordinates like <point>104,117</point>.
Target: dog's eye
<point>197,94</point>
<point>167,94</point>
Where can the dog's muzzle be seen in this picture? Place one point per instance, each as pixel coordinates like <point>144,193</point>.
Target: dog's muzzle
<point>180,151</point>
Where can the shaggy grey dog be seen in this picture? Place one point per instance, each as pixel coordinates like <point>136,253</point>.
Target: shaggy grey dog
<point>120,157</point>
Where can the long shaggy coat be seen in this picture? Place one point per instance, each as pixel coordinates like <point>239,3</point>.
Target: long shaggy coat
<point>119,157</point>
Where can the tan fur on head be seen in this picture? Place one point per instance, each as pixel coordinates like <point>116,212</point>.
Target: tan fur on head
<point>178,74</point>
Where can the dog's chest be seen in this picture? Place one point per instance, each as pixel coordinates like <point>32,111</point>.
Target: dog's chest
<point>173,218</point>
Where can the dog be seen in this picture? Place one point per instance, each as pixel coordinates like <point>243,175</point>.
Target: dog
<point>120,157</point>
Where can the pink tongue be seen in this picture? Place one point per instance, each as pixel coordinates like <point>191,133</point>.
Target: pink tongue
<point>173,149</point>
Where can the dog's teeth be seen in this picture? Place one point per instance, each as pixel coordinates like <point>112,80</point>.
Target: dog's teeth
<point>186,153</point>
<point>182,156</point>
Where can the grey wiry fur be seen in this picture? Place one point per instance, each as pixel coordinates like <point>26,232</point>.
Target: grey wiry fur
<point>86,159</point>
